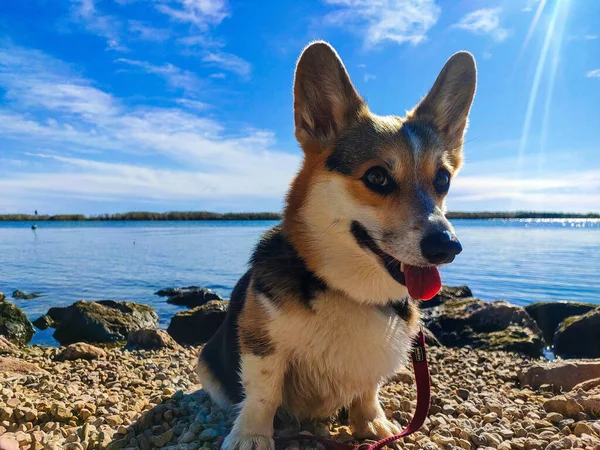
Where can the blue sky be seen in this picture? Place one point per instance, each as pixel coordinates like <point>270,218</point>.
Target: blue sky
<point>118,105</point>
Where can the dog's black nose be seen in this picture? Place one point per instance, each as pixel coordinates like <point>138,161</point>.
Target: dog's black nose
<point>440,247</point>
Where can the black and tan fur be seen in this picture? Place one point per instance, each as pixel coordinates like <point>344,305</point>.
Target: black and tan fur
<point>318,322</point>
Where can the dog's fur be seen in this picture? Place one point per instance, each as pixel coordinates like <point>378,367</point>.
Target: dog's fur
<point>318,323</point>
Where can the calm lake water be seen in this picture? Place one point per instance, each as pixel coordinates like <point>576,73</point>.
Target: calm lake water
<point>522,261</point>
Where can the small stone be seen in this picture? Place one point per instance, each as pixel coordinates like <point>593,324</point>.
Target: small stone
<point>209,434</point>
<point>114,420</point>
<point>554,417</point>
<point>162,439</point>
<point>187,437</point>
<point>490,418</point>
<point>463,393</point>
<point>581,428</point>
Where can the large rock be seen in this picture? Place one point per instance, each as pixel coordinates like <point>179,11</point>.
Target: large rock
<point>2,297</point>
<point>6,347</point>
<point>150,340</point>
<point>80,350</point>
<point>548,315</point>
<point>192,297</point>
<point>457,322</point>
<point>169,292</point>
<point>562,376</point>
<point>102,321</point>
<point>23,296</point>
<point>15,366</point>
<point>44,322</point>
<point>196,326</point>
<point>447,293</point>
<point>14,324</point>
<point>579,336</point>
<point>574,403</point>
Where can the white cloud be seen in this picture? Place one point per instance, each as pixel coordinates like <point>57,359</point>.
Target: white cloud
<point>201,13</point>
<point>173,75</point>
<point>49,107</point>
<point>193,104</point>
<point>85,13</point>
<point>576,191</point>
<point>368,77</point>
<point>147,33</point>
<point>484,21</point>
<point>380,21</point>
<point>227,61</point>
<point>593,73</point>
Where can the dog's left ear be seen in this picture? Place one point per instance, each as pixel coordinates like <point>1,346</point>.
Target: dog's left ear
<point>448,102</point>
<point>325,101</point>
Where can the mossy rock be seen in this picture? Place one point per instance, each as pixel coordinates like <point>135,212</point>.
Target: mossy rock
<point>495,325</point>
<point>197,326</point>
<point>102,321</point>
<point>14,324</point>
<point>579,336</point>
<point>548,315</point>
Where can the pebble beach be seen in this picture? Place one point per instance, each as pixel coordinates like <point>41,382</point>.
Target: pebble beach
<point>144,399</point>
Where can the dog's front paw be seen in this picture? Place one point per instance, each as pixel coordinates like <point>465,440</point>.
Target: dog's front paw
<point>239,441</point>
<point>379,428</point>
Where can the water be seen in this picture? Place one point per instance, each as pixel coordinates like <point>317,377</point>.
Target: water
<point>522,261</point>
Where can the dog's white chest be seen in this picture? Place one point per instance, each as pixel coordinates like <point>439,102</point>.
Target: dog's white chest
<point>342,350</point>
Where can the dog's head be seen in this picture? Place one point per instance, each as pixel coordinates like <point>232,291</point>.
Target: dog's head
<point>367,208</point>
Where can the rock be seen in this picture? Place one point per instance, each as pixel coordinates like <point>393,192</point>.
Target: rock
<point>102,321</point>
<point>487,325</point>
<point>192,297</point>
<point>44,322</point>
<point>430,339</point>
<point>562,376</point>
<point>587,385</point>
<point>197,325</point>
<point>14,324</point>
<point>462,393</point>
<point>7,443</point>
<point>169,292</point>
<point>80,350</point>
<point>581,428</point>
<point>6,347</point>
<point>23,296</point>
<point>14,366</point>
<point>163,439</point>
<point>579,336</point>
<point>150,340</point>
<point>209,434</point>
<point>548,315</point>
<point>446,293</point>
<point>574,403</point>
<point>2,297</point>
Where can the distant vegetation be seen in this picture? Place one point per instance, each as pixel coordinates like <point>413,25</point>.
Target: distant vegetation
<point>202,215</point>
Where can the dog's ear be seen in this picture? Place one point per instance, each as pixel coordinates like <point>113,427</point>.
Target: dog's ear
<point>448,102</point>
<point>325,101</point>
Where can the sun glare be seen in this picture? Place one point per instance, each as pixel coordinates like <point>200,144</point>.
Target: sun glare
<point>551,46</point>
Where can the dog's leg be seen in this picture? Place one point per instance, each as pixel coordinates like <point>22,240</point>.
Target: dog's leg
<point>368,419</point>
<point>262,378</point>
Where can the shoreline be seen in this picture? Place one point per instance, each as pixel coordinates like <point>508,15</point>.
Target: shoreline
<point>211,216</point>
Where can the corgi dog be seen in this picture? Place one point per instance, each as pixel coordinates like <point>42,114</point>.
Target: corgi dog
<point>328,309</point>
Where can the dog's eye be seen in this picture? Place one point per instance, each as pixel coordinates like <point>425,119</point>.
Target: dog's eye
<point>378,180</point>
<point>442,181</point>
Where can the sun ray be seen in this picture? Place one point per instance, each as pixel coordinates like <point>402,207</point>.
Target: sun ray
<point>539,71</point>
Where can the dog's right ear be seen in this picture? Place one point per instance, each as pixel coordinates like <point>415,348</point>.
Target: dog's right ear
<point>325,101</point>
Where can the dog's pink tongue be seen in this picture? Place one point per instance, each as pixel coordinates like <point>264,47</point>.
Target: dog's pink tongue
<point>422,282</point>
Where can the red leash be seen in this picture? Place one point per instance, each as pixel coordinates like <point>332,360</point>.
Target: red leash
<point>419,360</point>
